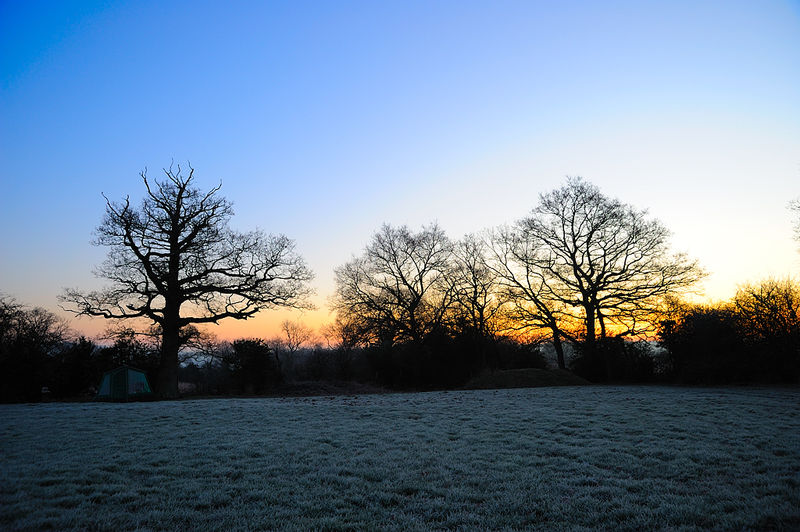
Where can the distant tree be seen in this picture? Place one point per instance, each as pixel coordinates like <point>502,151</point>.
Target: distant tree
<point>76,370</point>
<point>396,291</point>
<point>769,321</point>
<point>253,366</point>
<point>604,257</point>
<point>615,359</point>
<point>209,364</point>
<point>200,345</point>
<point>753,338</point>
<point>704,345</point>
<point>474,285</point>
<point>341,334</point>
<point>343,339</point>
<point>130,350</point>
<point>285,347</point>
<point>795,207</point>
<point>175,262</point>
<point>29,340</point>
<point>295,335</point>
<point>769,309</point>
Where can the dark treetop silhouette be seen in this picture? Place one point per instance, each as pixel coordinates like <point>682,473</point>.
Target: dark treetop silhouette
<point>174,261</point>
<point>607,258</point>
<point>396,291</point>
<point>582,256</point>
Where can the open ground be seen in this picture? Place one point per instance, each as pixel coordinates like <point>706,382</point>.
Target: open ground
<point>555,458</point>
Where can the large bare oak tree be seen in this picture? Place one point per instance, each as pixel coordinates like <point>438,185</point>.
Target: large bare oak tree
<point>606,258</point>
<point>175,262</point>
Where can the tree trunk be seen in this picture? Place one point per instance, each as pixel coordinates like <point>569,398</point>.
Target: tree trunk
<point>588,346</point>
<point>559,349</point>
<point>602,321</point>
<point>168,368</point>
<point>590,325</point>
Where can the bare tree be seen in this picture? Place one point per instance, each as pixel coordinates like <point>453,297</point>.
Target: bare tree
<point>342,334</point>
<point>396,290</point>
<point>474,284</point>
<point>529,301</point>
<point>794,206</point>
<point>770,310</point>
<point>203,346</point>
<point>175,262</point>
<point>35,328</point>
<point>475,306</point>
<point>607,258</point>
<point>295,335</point>
<point>29,337</point>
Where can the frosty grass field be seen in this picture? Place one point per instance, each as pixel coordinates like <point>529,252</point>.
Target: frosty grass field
<point>569,458</point>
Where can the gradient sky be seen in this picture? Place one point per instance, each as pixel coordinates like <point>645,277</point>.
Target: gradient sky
<point>325,119</point>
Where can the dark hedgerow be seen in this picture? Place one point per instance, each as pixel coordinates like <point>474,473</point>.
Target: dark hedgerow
<point>614,360</point>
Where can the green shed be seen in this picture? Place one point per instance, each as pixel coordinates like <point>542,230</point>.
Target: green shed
<point>124,384</point>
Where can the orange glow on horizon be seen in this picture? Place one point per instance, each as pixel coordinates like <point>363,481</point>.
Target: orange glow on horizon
<point>267,324</point>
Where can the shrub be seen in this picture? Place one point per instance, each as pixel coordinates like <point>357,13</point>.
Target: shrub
<point>614,359</point>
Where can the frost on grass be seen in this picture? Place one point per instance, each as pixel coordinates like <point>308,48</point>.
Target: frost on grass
<point>570,458</point>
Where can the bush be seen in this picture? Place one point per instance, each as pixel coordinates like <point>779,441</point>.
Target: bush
<point>29,339</point>
<point>704,347</point>
<point>254,367</point>
<point>614,359</point>
<point>756,339</point>
<point>75,370</point>
<point>448,362</point>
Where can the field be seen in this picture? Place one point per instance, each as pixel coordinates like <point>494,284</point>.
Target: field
<point>553,458</point>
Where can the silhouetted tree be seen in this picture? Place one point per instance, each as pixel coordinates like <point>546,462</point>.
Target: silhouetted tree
<point>704,345</point>
<point>130,350</point>
<point>753,338</point>
<point>174,261</point>
<point>475,306</point>
<point>29,339</point>
<point>527,286</point>
<point>768,314</point>
<point>474,285</point>
<point>614,359</point>
<point>343,338</point>
<point>253,366</point>
<point>295,335</point>
<point>604,257</point>
<point>396,290</point>
<point>342,333</point>
<point>76,370</point>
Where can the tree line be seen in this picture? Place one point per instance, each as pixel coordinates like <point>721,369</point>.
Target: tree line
<point>753,338</point>
<point>580,268</point>
<point>584,279</point>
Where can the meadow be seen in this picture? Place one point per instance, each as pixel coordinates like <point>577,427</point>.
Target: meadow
<point>627,457</point>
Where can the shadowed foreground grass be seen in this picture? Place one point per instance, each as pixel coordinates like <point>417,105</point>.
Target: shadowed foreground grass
<point>568,457</point>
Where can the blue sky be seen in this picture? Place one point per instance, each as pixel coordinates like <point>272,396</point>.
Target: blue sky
<point>325,119</point>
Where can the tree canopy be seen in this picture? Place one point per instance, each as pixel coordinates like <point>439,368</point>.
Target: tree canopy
<point>606,258</point>
<point>175,262</point>
<point>396,290</point>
